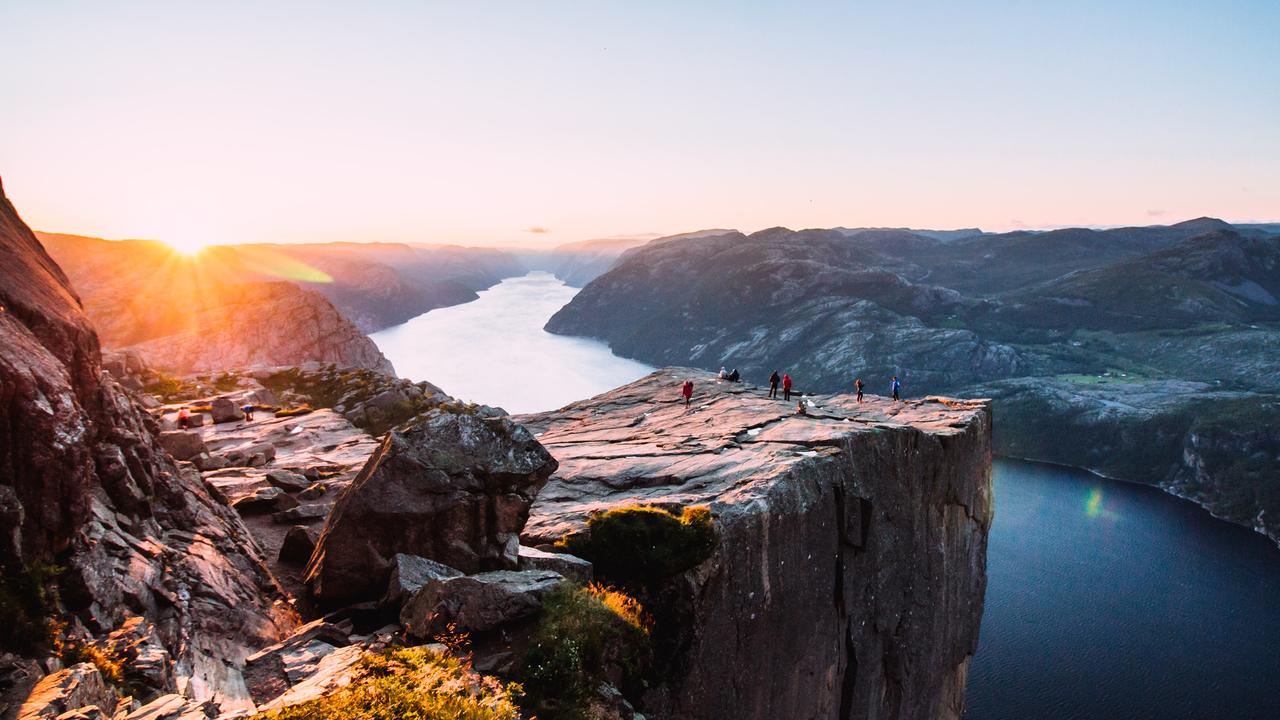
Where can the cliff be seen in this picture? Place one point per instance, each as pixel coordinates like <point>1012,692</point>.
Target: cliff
<point>142,547</point>
<point>849,573</point>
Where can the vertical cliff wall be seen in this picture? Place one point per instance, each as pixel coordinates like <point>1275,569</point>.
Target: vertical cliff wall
<point>849,576</point>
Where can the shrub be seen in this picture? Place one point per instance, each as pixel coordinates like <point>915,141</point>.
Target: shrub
<point>583,634</point>
<point>410,683</point>
<point>26,603</point>
<point>294,411</point>
<point>640,546</point>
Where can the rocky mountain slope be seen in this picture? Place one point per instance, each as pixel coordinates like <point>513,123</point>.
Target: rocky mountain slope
<point>105,538</point>
<point>376,285</point>
<point>1090,340</point>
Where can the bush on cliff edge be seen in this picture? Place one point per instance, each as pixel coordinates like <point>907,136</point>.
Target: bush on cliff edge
<point>640,546</point>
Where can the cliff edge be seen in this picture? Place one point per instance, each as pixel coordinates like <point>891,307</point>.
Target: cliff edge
<point>850,567</point>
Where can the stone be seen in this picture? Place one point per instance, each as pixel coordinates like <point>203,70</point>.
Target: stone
<point>225,410</point>
<point>570,566</point>
<point>299,543</point>
<point>183,444</point>
<point>146,661</point>
<point>205,462</point>
<point>271,672</point>
<point>173,707</point>
<point>301,514</point>
<point>409,573</point>
<point>477,603</point>
<point>264,500</point>
<point>75,687</point>
<point>314,491</point>
<point>452,487</point>
<point>287,481</point>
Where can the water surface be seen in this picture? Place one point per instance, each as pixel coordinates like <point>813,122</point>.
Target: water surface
<point>1112,600</point>
<point>493,350</point>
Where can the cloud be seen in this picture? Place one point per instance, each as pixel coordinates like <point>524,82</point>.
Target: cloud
<point>1156,213</point>
<point>537,230</point>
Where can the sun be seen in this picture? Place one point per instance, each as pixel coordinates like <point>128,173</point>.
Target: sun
<point>189,245</point>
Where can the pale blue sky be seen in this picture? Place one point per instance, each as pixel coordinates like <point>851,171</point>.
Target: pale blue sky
<point>470,122</point>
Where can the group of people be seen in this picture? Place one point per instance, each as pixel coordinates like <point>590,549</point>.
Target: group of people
<point>686,390</point>
<point>184,414</point>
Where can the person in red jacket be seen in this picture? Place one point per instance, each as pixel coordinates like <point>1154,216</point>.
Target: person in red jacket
<point>687,391</point>
<point>786,386</point>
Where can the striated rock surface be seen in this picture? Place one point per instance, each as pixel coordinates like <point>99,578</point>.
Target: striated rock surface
<point>452,487</point>
<point>84,481</point>
<point>849,575</point>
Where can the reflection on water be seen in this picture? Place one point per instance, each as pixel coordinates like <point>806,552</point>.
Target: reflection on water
<point>494,351</point>
<point>1112,600</point>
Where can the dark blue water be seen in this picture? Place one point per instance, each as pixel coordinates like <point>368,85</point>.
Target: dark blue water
<point>1112,600</point>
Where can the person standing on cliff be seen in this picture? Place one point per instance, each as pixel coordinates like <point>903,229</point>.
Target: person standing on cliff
<point>687,391</point>
<point>786,386</point>
<point>773,384</point>
<point>896,386</point>
<point>857,384</point>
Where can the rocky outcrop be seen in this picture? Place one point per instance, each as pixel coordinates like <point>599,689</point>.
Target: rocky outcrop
<point>84,480</point>
<point>849,573</point>
<point>477,603</point>
<point>452,487</point>
<point>262,324</point>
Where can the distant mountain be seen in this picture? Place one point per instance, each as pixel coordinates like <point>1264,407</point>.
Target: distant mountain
<point>376,285</point>
<point>942,235</point>
<point>1160,344</point>
<point>578,263</point>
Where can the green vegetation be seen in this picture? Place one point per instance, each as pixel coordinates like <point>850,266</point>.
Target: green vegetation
<point>27,599</point>
<point>583,634</point>
<point>410,684</point>
<point>302,409</point>
<point>170,389</point>
<point>640,546</point>
<point>226,382</point>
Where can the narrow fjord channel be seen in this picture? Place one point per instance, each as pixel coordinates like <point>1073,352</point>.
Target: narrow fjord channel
<point>1105,599</point>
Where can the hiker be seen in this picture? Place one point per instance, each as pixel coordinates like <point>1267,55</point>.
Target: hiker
<point>184,418</point>
<point>687,391</point>
<point>734,376</point>
<point>896,387</point>
<point>248,412</point>
<point>786,386</point>
<point>724,374</point>
<point>802,408</point>
<point>773,384</point>
<point>857,384</point>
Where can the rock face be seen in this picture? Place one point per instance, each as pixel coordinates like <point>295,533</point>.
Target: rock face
<point>263,324</point>
<point>849,575</point>
<point>452,487</point>
<point>84,480</point>
<point>476,603</point>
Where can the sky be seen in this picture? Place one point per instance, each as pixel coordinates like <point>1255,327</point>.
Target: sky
<point>550,122</point>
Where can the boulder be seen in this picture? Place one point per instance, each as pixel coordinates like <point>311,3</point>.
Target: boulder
<point>269,673</point>
<point>301,514</point>
<point>75,687</point>
<point>225,410</point>
<point>173,707</point>
<point>570,566</point>
<point>299,543</point>
<point>264,500</point>
<point>452,487</point>
<point>255,455</point>
<point>287,481</point>
<point>314,491</point>
<point>409,573</point>
<point>206,462</point>
<point>476,603</point>
<point>183,444</point>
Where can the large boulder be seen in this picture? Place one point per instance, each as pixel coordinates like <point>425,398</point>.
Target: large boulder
<point>183,444</point>
<point>476,603</point>
<point>452,487</point>
<point>225,410</point>
<point>75,687</point>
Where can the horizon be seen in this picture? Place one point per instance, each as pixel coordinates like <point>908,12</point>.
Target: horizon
<point>536,127</point>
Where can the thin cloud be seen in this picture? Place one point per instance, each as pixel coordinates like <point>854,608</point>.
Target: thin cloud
<point>537,230</point>
<point>1156,213</point>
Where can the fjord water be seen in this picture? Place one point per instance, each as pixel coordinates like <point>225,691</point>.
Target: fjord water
<point>1107,599</point>
<point>494,351</point>
<point>1104,600</point>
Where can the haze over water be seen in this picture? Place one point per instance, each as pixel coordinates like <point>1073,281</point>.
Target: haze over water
<point>494,351</point>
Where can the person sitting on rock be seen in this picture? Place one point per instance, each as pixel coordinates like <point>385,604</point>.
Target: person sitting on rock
<point>786,386</point>
<point>687,391</point>
<point>802,408</point>
<point>773,384</point>
<point>896,386</point>
<point>857,384</point>
<point>724,374</point>
<point>184,418</point>
<point>734,376</point>
<point>248,412</point>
